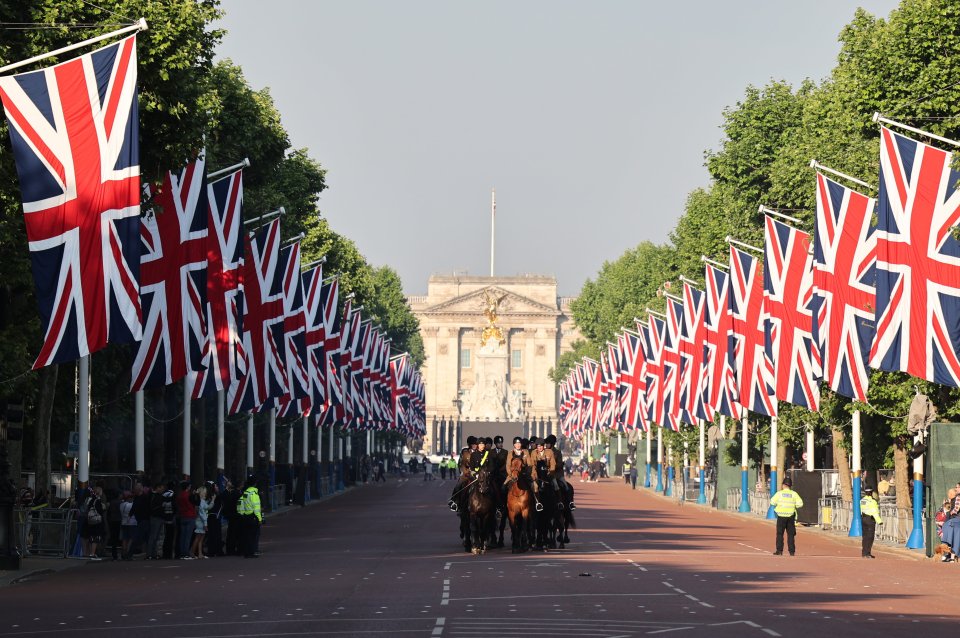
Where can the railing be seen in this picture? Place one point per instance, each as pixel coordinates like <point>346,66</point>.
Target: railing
<point>278,496</point>
<point>759,503</point>
<point>44,532</point>
<point>837,514</point>
<point>733,498</point>
<point>324,486</point>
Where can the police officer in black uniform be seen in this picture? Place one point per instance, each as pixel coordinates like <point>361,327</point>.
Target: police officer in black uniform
<point>456,498</point>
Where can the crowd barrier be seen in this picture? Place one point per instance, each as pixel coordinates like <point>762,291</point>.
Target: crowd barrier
<point>837,514</point>
<point>44,532</point>
<point>277,496</point>
<point>759,503</point>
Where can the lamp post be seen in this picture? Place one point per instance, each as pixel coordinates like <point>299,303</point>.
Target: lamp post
<point>455,438</point>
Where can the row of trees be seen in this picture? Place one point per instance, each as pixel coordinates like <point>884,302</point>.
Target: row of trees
<point>187,102</point>
<point>907,67</point>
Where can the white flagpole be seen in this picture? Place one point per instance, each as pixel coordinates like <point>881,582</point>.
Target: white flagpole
<point>290,447</point>
<point>83,408</point>
<point>138,431</point>
<point>186,430</point>
<point>701,462</point>
<point>306,440</point>
<point>221,460</point>
<point>141,25</point>
<point>493,226</point>
<point>810,463</point>
<point>774,421</point>
<point>745,465</point>
<point>249,441</point>
<point>230,169</point>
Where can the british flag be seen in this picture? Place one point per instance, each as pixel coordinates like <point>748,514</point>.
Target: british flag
<point>333,403</point>
<point>263,340</point>
<point>296,400</point>
<point>653,334</point>
<point>592,395</point>
<point>718,388</point>
<point>673,366</point>
<point>607,392</point>
<point>693,337</point>
<point>844,275</point>
<point>752,368</point>
<point>223,355</point>
<point>74,132</point>
<point>399,391</point>
<point>173,281</point>
<point>788,314</point>
<point>576,400</point>
<point>349,332</point>
<point>632,383</point>
<point>918,262</point>
<point>311,281</point>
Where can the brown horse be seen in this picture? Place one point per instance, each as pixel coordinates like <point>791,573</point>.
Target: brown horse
<point>519,506</point>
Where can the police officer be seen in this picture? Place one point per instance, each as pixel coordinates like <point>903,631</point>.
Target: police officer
<point>482,457</point>
<point>251,515</point>
<point>869,518</point>
<point>785,503</point>
<point>464,464</point>
<point>500,460</point>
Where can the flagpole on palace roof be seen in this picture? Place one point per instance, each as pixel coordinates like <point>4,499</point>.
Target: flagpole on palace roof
<point>230,169</point>
<point>879,119</point>
<point>493,226</point>
<point>817,166</point>
<point>141,25</point>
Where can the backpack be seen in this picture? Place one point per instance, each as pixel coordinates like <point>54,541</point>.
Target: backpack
<point>93,516</point>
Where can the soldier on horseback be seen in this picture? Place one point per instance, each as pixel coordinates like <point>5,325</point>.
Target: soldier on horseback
<point>559,478</point>
<point>544,463</point>
<point>458,495</point>
<point>519,451</point>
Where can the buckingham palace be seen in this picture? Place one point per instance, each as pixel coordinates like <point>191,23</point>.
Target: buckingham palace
<point>490,343</point>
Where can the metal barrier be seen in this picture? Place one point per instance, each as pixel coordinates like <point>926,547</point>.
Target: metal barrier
<point>324,486</point>
<point>837,514</point>
<point>759,503</point>
<point>44,532</point>
<point>733,498</point>
<point>278,496</point>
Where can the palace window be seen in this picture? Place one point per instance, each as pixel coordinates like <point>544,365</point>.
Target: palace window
<point>465,358</point>
<point>516,357</point>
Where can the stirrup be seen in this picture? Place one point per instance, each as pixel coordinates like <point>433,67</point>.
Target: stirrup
<point>560,506</point>
<point>572,506</point>
<point>539,507</point>
<point>453,506</point>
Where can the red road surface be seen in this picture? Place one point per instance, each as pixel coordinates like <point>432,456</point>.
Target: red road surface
<point>386,560</point>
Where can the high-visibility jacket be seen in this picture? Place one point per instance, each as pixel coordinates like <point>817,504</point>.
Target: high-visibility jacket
<point>249,503</point>
<point>786,502</point>
<point>870,507</point>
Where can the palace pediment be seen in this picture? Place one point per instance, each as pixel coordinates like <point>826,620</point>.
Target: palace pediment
<point>473,303</point>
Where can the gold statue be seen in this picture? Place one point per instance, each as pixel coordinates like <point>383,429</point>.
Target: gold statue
<point>491,330</point>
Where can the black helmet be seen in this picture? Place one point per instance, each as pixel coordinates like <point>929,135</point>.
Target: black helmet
<point>517,439</point>
<point>551,439</point>
<point>488,441</point>
<point>525,442</point>
<point>498,439</point>
<point>471,440</point>
<point>788,482</point>
<point>538,442</point>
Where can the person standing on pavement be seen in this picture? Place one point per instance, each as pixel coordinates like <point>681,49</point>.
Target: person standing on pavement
<point>156,521</point>
<point>169,520</point>
<point>869,519</point>
<point>785,503</point>
<point>248,510</point>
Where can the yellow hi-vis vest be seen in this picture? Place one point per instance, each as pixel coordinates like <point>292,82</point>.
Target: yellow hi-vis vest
<point>870,507</point>
<point>250,503</point>
<point>786,502</point>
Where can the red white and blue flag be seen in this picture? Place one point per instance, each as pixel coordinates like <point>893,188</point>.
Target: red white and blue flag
<point>633,383</point>
<point>592,395</point>
<point>173,281</point>
<point>224,359</point>
<point>332,382</point>
<point>718,387</point>
<point>652,336</point>
<point>263,328</point>
<point>918,262</point>
<point>74,129</point>
<point>296,400</point>
<point>311,281</point>
<point>673,366</point>
<point>753,370</point>
<point>788,314</point>
<point>693,337</point>
<point>844,275</point>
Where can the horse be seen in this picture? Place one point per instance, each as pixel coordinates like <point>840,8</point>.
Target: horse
<point>546,510</point>
<point>482,505</point>
<point>519,507</point>
<point>564,519</point>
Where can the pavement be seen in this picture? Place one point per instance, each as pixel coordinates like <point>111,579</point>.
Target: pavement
<point>386,559</point>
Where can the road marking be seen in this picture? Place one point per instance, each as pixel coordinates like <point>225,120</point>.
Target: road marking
<point>752,547</point>
<point>438,630</point>
<point>663,631</point>
<point>552,596</point>
<point>445,598</point>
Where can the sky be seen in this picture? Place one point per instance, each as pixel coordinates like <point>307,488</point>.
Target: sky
<point>590,119</point>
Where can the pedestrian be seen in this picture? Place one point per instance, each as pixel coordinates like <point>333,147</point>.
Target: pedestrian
<point>626,471</point>
<point>214,528</point>
<point>187,516</point>
<point>128,524</point>
<point>156,521</point>
<point>142,495</point>
<point>169,520</point>
<point>633,473</point>
<point>427,469</point>
<point>234,522</point>
<point>785,503</point>
<point>200,521</point>
<point>379,474</point>
<point>96,519</point>
<point>113,523</point>
<point>248,508</point>
<point>443,468</point>
<point>869,519</point>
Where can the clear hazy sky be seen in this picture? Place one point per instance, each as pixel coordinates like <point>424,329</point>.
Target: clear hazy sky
<point>589,118</point>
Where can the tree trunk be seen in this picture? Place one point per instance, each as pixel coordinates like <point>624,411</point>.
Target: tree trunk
<point>47,392</point>
<point>842,463</point>
<point>901,466</point>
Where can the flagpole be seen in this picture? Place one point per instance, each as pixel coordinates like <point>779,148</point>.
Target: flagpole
<point>306,440</point>
<point>138,431</point>
<point>186,431</point>
<point>493,226</point>
<point>273,446</point>
<point>659,487</point>
<point>701,461</point>
<point>817,166</point>
<point>646,480</point>
<point>879,119</point>
<point>230,169</point>
<point>221,460</point>
<point>290,449</point>
<point>771,515</point>
<point>856,525</point>
<point>745,465</point>
<point>668,489</point>
<point>810,462</point>
<point>83,425</point>
<point>250,441</point>
<point>141,25</point>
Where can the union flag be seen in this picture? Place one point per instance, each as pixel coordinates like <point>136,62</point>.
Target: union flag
<point>752,367</point>
<point>74,129</point>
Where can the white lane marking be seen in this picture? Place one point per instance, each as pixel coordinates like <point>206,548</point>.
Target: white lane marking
<point>552,596</point>
<point>694,599</point>
<point>752,547</point>
<point>447,566</point>
<point>663,631</point>
<point>438,630</point>
<point>445,599</point>
<point>706,604</point>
